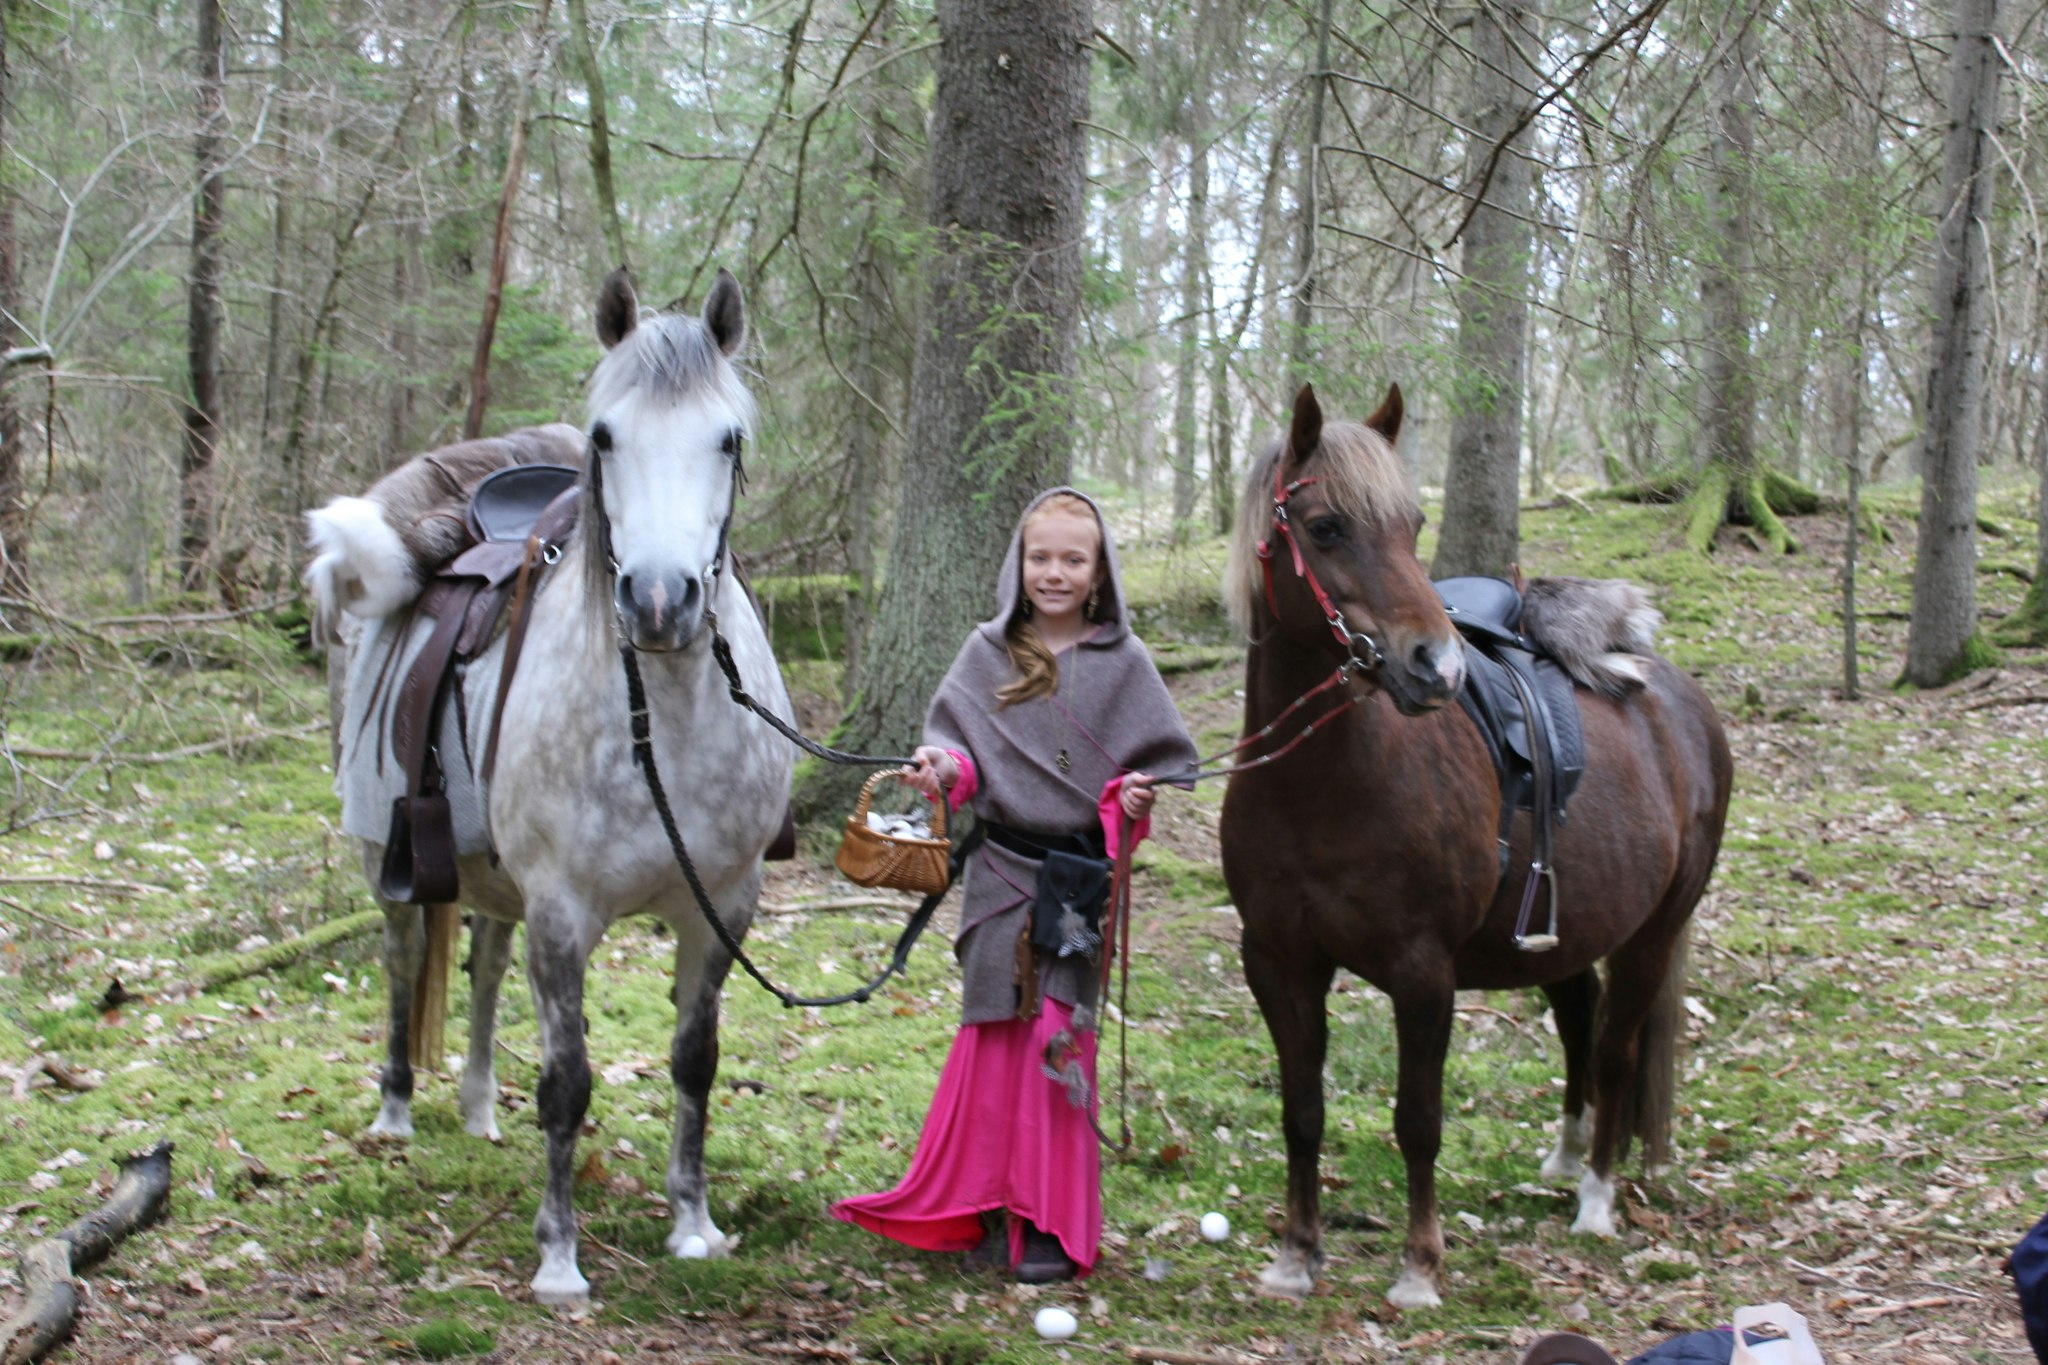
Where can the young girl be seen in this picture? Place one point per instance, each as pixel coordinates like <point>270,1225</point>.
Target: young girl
<point>1050,723</point>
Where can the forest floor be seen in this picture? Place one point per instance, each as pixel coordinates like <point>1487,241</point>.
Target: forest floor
<point>1864,1120</point>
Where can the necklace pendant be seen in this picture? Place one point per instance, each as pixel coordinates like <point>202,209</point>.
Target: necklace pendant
<point>1066,766</point>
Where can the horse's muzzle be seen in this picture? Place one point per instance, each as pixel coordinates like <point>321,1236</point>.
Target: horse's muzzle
<point>1423,676</point>
<point>661,612</point>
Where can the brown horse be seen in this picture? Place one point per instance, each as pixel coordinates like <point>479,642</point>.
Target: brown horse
<point>1375,847</point>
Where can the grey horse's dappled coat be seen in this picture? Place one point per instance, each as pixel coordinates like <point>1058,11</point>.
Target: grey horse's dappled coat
<point>1108,689</point>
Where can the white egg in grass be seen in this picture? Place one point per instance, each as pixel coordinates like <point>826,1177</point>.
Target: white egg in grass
<point>695,1248</point>
<point>1056,1324</point>
<point>1215,1226</point>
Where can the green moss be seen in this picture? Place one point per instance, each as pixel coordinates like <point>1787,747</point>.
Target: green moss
<point>910,1344</point>
<point>448,1338</point>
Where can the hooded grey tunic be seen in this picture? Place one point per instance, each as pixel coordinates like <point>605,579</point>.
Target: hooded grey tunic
<point>1111,715</point>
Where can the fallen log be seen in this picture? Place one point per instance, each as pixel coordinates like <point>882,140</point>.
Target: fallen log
<point>213,973</point>
<point>140,1196</point>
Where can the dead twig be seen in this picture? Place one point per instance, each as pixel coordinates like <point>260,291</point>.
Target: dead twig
<point>119,888</point>
<point>468,1234</point>
<point>57,1069</point>
<point>172,755</point>
<point>40,918</point>
<point>842,903</point>
<point>1162,1355</point>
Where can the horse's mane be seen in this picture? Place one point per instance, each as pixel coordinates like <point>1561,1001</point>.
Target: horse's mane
<point>1355,468</point>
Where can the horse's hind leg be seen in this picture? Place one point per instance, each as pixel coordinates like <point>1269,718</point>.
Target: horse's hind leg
<point>1290,985</point>
<point>490,952</point>
<point>701,965</point>
<point>1636,975</point>
<point>558,944</point>
<point>1573,1003</point>
<point>405,955</point>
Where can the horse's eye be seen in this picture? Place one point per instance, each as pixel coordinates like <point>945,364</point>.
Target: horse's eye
<point>601,438</point>
<point>1326,531</point>
<point>731,444</point>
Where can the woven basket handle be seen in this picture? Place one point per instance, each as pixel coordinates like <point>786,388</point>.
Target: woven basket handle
<point>867,792</point>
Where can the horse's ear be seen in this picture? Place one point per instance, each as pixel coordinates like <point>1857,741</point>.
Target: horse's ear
<point>1387,421</point>
<point>618,310</point>
<point>1307,432</point>
<point>725,314</point>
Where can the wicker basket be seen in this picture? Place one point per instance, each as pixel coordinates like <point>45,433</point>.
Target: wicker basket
<point>870,858</point>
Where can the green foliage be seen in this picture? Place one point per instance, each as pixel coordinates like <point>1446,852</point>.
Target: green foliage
<point>538,363</point>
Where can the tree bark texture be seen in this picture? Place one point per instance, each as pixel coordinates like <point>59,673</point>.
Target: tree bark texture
<point>1728,399</point>
<point>1301,348</point>
<point>585,50</point>
<point>13,453</point>
<point>1482,508</point>
<point>203,316</point>
<point>1944,618</point>
<point>990,409</point>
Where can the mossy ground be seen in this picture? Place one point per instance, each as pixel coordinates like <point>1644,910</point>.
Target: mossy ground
<point>1864,1102</point>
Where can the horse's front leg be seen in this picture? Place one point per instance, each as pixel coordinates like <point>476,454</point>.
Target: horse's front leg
<point>1423,1009</point>
<point>1573,1004</point>
<point>490,952</point>
<point>559,937</point>
<point>405,955</point>
<point>701,965</point>
<point>1290,987</point>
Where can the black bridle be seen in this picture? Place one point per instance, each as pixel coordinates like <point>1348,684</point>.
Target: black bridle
<point>641,723</point>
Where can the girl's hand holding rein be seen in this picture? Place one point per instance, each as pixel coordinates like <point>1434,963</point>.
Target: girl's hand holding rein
<point>932,771</point>
<point>1136,795</point>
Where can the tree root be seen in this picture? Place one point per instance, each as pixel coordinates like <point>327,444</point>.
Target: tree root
<point>140,1197</point>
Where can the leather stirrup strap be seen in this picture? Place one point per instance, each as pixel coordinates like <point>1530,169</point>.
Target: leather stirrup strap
<point>554,523</point>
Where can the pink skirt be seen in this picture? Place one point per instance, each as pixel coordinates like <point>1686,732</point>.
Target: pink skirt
<point>1001,1134</point>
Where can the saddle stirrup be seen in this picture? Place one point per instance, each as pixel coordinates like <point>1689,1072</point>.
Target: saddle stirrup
<point>1545,876</point>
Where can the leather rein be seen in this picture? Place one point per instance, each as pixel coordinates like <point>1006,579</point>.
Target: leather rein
<point>640,720</point>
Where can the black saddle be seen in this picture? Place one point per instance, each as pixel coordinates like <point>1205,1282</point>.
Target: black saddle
<point>1527,711</point>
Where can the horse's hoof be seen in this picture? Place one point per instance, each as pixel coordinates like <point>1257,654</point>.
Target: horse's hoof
<point>716,1244</point>
<point>560,1284</point>
<point>394,1120</point>
<point>1596,1206</point>
<point>1289,1277</point>
<point>1563,1165</point>
<point>1415,1290</point>
<point>1567,1160</point>
<point>485,1128</point>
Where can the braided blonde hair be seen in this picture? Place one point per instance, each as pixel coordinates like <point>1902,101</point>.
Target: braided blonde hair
<point>1038,672</point>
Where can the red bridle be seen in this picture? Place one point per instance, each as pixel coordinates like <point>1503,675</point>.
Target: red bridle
<point>1364,651</point>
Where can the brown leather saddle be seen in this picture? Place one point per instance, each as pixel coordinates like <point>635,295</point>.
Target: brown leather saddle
<point>517,520</point>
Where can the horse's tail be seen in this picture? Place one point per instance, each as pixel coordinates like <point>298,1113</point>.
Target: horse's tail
<point>1601,631</point>
<point>1654,1096</point>
<point>360,564</point>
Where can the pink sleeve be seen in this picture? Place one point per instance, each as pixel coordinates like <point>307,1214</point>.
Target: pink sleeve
<point>1111,811</point>
<point>970,782</point>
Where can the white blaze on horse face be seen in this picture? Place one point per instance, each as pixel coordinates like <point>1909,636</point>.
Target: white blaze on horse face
<point>668,488</point>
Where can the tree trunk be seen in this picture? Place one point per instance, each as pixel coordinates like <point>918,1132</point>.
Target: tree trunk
<point>13,455</point>
<point>203,319</point>
<point>1300,346</point>
<point>867,447</point>
<point>1194,267</point>
<point>600,133</point>
<point>1942,642</point>
<point>280,230</point>
<point>991,413</point>
<point>1482,509</point>
<point>501,241</point>
<point>1728,395</point>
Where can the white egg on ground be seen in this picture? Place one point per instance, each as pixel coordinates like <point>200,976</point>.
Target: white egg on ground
<point>695,1248</point>
<point>1056,1324</point>
<point>1215,1226</point>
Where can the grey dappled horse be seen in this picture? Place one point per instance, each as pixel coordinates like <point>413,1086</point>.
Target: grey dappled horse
<point>576,834</point>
